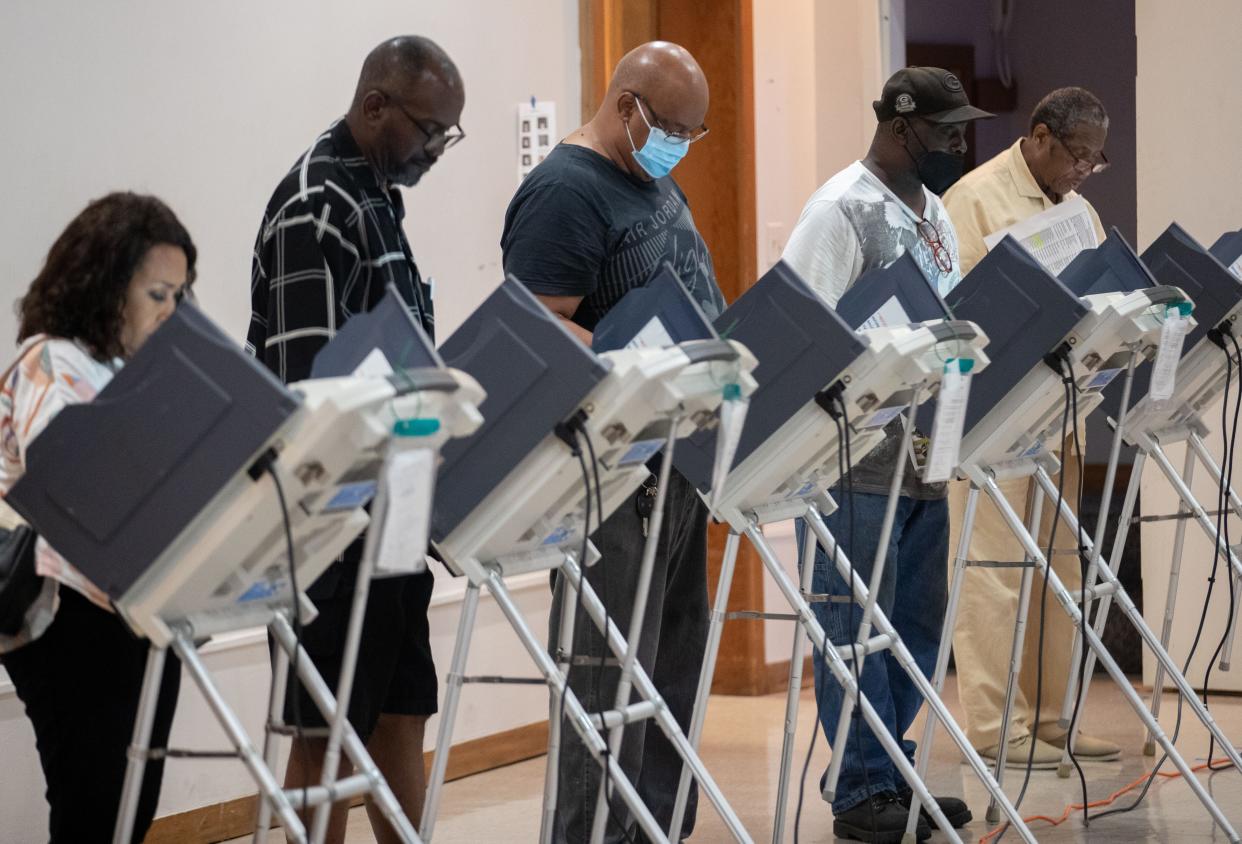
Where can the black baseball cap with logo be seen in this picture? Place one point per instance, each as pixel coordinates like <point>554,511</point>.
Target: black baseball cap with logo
<point>931,93</point>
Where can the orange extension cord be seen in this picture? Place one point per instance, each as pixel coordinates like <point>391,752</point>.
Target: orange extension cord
<point>1075,807</point>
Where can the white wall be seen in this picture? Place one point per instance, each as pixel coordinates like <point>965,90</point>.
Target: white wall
<point>207,105</point>
<point>1188,125</point>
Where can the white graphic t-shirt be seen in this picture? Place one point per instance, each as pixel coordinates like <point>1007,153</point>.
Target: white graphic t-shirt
<point>854,224</point>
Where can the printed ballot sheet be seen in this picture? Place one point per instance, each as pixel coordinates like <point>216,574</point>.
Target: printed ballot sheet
<point>1054,237</point>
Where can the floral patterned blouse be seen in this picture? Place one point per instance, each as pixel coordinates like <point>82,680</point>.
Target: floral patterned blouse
<point>50,373</point>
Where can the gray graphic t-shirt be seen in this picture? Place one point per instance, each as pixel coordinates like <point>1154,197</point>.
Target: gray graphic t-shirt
<point>579,226</point>
<point>854,224</point>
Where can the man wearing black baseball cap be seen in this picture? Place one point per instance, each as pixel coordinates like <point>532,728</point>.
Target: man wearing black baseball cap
<point>864,218</point>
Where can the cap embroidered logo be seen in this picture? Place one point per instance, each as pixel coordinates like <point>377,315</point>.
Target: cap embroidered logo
<point>951,83</point>
<point>905,103</point>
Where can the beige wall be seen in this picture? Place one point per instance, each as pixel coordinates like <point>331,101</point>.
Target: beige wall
<point>1189,123</point>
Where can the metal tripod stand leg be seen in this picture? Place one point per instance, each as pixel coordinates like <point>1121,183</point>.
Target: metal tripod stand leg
<point>794,693</point>
<point>269,789</point>
<point>448,718</point>
<point>923,757</point>
<point>869,606</point>
<point>934,703</point>
<point>575,714</point>
<point>1021,619</point>
<point>1196,444</point>
<point>1105,658</point>
<point>840,671</point>
<point>715,628</point>
<point>1072,693</point>
<point>564,647</point>
<point>275,720</point>
<point>629,659</point>
<point>136,765</point>
<point>654,707</point>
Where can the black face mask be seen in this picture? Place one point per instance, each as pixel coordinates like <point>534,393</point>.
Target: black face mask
<point>936,170</point>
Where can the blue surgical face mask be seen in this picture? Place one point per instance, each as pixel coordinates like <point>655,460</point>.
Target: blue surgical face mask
<point>661,152</point>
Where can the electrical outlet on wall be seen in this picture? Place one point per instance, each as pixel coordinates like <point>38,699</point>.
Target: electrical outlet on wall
<point>774,237</point>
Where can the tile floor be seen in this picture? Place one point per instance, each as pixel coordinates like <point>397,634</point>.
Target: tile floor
<point>742,746</point>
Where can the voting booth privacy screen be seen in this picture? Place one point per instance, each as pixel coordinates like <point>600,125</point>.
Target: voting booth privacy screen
<point>801,345</point>
<point>660,313</point>
<point>535,374</point>
<point>180,420</point>
<point>898,294</point>
<point>1025,312</point>
<point>388,328</point>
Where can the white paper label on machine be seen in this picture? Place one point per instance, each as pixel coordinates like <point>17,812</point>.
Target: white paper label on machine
<point>946,435</point>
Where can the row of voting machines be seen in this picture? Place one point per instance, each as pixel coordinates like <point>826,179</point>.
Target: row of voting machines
<point>499,454</point>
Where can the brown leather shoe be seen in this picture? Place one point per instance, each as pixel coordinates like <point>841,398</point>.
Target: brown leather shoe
<point>1046,758</point>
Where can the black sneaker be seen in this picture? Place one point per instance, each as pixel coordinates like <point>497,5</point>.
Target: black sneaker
<point>881,819</point>
<point>955,810</point>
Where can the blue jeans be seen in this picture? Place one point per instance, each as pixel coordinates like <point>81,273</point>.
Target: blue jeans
<point>912,595</point>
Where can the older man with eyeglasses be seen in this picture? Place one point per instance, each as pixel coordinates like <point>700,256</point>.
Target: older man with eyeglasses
<point>1065,145</point>
<point>330,243</point>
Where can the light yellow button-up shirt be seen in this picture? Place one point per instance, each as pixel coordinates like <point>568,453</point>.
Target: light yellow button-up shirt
<point>994,196</point>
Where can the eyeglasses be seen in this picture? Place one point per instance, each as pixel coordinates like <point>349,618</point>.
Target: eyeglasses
<point>940,253</point>
<point>1093,163</point>
<point>675,137</point>
<point>439,136</point>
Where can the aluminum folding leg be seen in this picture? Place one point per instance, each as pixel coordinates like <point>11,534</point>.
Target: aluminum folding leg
<point>448,715</point>
<point>367,779</point>
<point>271,748</point>
<point>654,707</point>
<point>923,757</point>
<point>629,657</point>
<point>878,565</point>
<point>936,706</point>
<point>583,723</point>
<point>715,629</point>
<point>1063,596</point>
<point>1195,443</point>
<point>835,662</point>
<point>140,745</point>
<point>1073,695</point>
<point>793,694</point>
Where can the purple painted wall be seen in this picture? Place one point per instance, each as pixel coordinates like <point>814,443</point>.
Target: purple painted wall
<point>1053,43</point>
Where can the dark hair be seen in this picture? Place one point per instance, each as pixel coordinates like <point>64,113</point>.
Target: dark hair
<point>1065,109</point>
<point>80,292</point>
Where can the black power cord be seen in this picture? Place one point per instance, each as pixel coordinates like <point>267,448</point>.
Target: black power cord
<point>269,467</point>
<point>1225,487</point>
<point>1217,337</point>
<point>1053,360</point>
<point>603,659</point>
<point>1082,593</point>
<point>836,408</point>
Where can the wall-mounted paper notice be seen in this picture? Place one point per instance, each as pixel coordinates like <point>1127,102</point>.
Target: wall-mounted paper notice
<point>1054,237</point>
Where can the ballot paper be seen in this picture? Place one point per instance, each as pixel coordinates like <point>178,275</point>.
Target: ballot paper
<point>408,478</point>
<point>1236,267</point>
<point>374,365</point>
<point>1054,237</point>
<point>890,313</point>
<point>1168,354</point>
<point>946,436</point>
<point>653,336</point>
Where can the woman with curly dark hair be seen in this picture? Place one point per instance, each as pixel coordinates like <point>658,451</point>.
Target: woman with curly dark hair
<point>110,279</point>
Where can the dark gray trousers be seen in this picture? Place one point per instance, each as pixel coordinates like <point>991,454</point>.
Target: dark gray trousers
<point>671,649</point>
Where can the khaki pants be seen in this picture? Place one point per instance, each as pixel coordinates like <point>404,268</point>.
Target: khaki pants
<point>983,637</point>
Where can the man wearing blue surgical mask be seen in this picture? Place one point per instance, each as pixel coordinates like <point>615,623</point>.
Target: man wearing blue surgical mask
<point>591,222</point>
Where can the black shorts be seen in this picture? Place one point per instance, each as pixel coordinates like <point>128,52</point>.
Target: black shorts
<point>395,675</point>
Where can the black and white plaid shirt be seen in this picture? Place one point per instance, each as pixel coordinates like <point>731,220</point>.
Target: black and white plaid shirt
<point>330,243</point>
